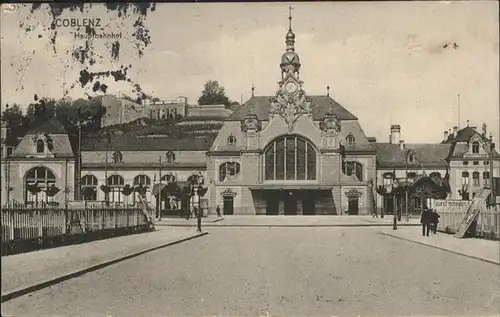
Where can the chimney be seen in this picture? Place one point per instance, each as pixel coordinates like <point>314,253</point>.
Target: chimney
<point>445,135</point>
<point>401,145</point>
<point>455,129</point>
<point>395,133</point>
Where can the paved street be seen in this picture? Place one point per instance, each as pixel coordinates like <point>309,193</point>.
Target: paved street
<point>278,271</point>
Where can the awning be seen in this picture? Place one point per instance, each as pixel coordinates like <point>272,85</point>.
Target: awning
<point>290,187</point>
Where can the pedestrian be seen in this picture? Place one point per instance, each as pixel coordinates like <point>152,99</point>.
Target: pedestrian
<point>435,219</point>
<point>425,221</point>
<point>218,212</point>
<point>374,214</point>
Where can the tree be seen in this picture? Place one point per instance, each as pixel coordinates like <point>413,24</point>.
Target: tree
<point>13,116</point>
<point>42,110</point>
<point>213,94</point>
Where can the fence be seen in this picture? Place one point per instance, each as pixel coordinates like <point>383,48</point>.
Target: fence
<point>30,223</point>
<point>452,212</point>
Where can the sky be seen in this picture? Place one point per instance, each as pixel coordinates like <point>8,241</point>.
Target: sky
<point>386,62</point>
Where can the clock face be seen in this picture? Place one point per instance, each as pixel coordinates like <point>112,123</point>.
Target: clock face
<point>291,87</point>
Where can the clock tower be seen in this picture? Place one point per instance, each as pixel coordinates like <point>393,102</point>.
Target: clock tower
<point>290,101</point>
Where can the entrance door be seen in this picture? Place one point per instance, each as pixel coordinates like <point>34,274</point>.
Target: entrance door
<point>228,207</point>
<point>290,204</point>
<point>353,206</point>
<point>308,206</point>
<point>272,204</point>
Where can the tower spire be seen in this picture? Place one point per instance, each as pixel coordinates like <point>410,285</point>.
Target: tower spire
<point>290,17</point>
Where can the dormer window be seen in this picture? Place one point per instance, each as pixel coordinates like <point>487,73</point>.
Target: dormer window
<point>475,147</point>
<point>170,157</point>
<point>231,140</point>
<point>117,157</point>
<point>350,140</point>
<point>411,158</point>
<point>40,146</point>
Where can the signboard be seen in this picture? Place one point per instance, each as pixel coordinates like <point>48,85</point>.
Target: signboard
<point>444,206</point>
<point>478,203</point>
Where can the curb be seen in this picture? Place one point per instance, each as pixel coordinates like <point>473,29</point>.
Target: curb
<point>36,287</point>
<point>291,226</point>
<point>443,249</point>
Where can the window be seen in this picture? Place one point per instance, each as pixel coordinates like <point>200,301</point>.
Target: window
<point>40,146</point>
<point>228,169</point>
<point>486,178</point>
<point>388,178</point>
<point>89,187</point>
<point>350,140</point>
<point>38,179</point>
<point>411,157</point>
<point>115,182</point>
<point>418,203</point>
<point>486,163</point>
<point>475,178</point>
<point>9,150</point>
<point>350,168</point>
<point>141,180</point>
<point>465,178</point>
<point>290,158</point>
<point>231,140</point>
<point>475,147</point>
<point>169,178</point>
<point>466,162</point>
<point>475,163</point>
<point>170,157</point>
<point>117,157</point>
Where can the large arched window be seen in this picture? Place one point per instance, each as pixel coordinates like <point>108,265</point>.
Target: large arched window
<point>116,183</point>
<point>290,158</point>
<point>38,179</point>
<point>89,187</point>
<point>228,169</point>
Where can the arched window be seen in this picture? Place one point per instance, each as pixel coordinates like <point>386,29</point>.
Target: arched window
<point>475,147</point>
<point>170,157</point>
<point>465,178</point>
<point>168,178</point>
<point>475,178</point>
<point>231,140</point>
<point>410,156</point>
<point>350,140</point>
<point>115,182</point>
<point>117,157</point>
<point>486,178</point>
<point>228,169</point>
<point>40,146</point>
<point>143,180</point>
<point>290,158</point>
<point>37,180</point>
<point>89,187</point>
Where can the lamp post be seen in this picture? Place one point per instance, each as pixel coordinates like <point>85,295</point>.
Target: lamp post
<point>394,186</point>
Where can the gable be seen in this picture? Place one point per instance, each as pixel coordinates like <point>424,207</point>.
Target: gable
<point>320,105</point>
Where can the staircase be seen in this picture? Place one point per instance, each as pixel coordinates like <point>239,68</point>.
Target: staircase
<point>478,204</point>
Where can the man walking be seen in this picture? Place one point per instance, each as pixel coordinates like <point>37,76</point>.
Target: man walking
<point>425,221</point>
<point>218,212</point>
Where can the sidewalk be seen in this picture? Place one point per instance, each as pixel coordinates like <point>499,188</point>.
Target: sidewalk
<point>286,221</point>
<point>485,250</point>
<point>27,272</point>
